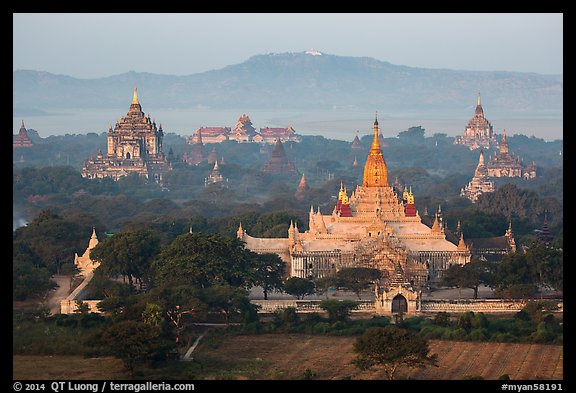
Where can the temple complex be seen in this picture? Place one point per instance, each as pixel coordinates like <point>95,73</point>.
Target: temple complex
<point>480,183</point>
<point>134,146</point>
<point>244,131</point>
<point>22,139</point>
<point>505,164</point>
<point>370,227</point>
<point>479,132</point>
<point>278,161</point>
<point>212,134</point>
<point>270,135</point>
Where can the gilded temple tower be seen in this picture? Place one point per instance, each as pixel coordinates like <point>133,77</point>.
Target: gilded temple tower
<point>375,170</point>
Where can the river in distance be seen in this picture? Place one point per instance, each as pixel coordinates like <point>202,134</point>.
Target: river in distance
<point>340,125</point>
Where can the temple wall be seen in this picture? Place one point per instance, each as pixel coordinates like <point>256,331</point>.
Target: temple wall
<point>414,307</point>
<point>70,306</point>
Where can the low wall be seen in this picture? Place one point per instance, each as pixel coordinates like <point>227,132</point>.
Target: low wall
<point>304,306</point>
<point>425,306</point>
<point>70,306</point>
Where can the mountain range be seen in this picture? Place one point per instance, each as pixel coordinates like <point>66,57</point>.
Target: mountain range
<point>299,81</point>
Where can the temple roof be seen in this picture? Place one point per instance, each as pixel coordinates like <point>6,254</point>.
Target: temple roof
<point>497,242</point>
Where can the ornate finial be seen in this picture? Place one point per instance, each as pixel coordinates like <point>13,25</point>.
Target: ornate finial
<point>376,119</point>
<point>479,98</point>
<point>375,141</point>
<point>22,124</point>
<point>135,98</point>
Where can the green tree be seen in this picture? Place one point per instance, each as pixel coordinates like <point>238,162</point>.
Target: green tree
<point>181,305</point>
<point>152,314</point>
<point>357,279</point>
<point>52,240</point>
<point>299,287</point>
<point>267,271</point>
<point>202,260</point>
<point>338,310</point>
<point>547,265</point>
<point>28,279</point>
<point>391,347</point>
<point>225,299</point>
<point>516,276</point>
<point>324,284</point>
<point>470,275</point>
<point>127,253</point>
<point>134,342</point>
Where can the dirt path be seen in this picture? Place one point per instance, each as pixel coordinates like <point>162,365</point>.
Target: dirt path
<point>60,293</point>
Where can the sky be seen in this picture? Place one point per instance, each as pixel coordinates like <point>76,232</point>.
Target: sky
<point>94,45</point>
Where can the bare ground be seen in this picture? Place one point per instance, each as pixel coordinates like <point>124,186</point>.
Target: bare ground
<point>287,356</point>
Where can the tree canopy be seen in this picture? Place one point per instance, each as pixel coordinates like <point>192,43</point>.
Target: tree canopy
<point>391,347</point>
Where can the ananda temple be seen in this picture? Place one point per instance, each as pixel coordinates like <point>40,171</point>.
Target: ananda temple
<point>370,227</point>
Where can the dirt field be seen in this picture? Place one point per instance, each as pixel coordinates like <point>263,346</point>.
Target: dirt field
<point>67,368</point>
<point>288,356</point>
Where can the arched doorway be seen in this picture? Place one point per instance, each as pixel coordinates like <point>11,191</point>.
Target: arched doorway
<point>128,155</point>
<point>399,304</point>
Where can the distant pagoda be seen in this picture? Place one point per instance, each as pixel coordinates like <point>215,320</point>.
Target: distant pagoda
<point>215,176</point>
<point>22,139</point>
<point>480,183</point>
<point>196,153</point>
<point>213,156</point>
<point>479,132</point>
<point>505,164</point>
<point>134,146</point>
<point>278,161</point>
<point>544,236</point>
<point>356,143</point>
<point>303,188</point>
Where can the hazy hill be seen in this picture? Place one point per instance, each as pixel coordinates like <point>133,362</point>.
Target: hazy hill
<point>299,81</point>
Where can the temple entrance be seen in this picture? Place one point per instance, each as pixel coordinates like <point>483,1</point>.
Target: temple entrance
<point>127,156</point>
<point>399,304</point>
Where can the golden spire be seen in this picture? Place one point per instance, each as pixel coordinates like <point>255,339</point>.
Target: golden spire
<point>410,197</point>
<point>479,98</point>
<point>135,98</point>
<point>375,141</point>
<point>375,169</point>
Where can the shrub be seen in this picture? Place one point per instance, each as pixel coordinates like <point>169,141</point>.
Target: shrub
<point>321,328</point>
